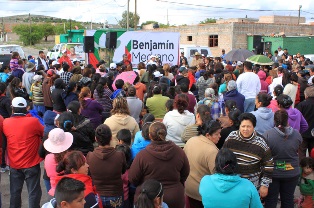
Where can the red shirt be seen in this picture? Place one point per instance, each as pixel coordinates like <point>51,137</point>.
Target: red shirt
<point>24,136</point>
<point>65,59</point>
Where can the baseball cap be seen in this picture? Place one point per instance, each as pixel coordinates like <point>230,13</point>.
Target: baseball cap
<point>152,56</point>
<point>113,65</point>
<point>182,68</point>
<point>157,74</point>
<point>19,102</point>
<point>239,63</point>
<point>50,72</point>
<point>64,51</point>
<point>37,78</point>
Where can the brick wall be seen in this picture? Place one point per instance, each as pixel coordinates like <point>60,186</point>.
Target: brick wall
<point>281,19</point>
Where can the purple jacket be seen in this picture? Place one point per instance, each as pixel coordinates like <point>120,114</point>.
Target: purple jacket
<point>237,97</point>
<point>93,111</point>
<point>296,120</point>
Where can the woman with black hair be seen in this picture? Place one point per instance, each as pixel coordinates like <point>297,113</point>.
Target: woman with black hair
<point>69,93</point>
<point>201,152</point>
<point>253,154</point>
<point>151,195</point>
<point>102,94</point>
<point>233,119</point>
<point>163,161</point>
<point>110,187</point>
<point>229,106</point>
<point>296,119</point>
<point>284,142</point>
<point>95,80</point>
<point>226,188</point>
<point>278,90</point>
<point>16,89</point>
<point>264,116</point>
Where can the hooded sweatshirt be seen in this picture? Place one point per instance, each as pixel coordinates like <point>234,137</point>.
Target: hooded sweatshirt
<point>93,111</point>
<point>117,122</point>
<point>237,97</point>
<point>166,162</point>
<point>176,123</point>
<point>264,85</point>
<point>296,120</point>
<point>284,149</point>
<point>220,190</point>
<point>108,181</point>
<point>264,119</point>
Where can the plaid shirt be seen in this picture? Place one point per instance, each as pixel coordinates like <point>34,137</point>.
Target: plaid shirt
<point>66,76</point>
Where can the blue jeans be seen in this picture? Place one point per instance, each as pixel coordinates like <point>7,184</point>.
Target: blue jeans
<point>32,178</point>
<point>47,184</point>
<point>39,108</point>
<point>112,201</point>
<point>249,105</point>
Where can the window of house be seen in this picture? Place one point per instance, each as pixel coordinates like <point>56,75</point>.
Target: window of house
<point>213,41</point>
<point>189,38</point>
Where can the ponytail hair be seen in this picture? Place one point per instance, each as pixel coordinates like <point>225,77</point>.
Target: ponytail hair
<point>83,94</point>
<point>205,113</point>
<point>71,86</point>
<point>66,121</point>
<point>150,190</point>
<point>72,160</point>
<point>281,120</point>
<point>103,81</point>
<point>209,127</point>
<point>181,102</point>
<point>157,131</point>
<point>278,90</point>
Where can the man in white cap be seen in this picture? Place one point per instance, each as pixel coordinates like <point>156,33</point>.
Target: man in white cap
<point>152,60</point>
<point>65,58</point>
<point>196,60</point>
<point>24,136</point>
<point>27,78</point>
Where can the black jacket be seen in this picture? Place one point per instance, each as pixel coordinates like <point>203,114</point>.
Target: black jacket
<point>5,107</point>
<point>306,107</point>
<point>58,104</point>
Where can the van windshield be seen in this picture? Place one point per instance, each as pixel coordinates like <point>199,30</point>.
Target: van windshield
<point>204,52</point>
<point>9,49</point>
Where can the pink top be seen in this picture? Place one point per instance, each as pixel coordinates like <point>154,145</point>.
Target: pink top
<point>273,105</point>
<point>50,167</point>
<point>125,180</point>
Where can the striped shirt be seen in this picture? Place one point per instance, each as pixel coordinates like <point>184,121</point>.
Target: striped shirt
<point>105,100</point>
<point>254,157</point>
<point>37,94</point>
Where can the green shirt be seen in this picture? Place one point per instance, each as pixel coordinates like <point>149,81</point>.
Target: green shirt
<point>157,105</point>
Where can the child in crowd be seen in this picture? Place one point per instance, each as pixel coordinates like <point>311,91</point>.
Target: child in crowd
<point>148,117</point>
<point>69,193</point>
<point>119,92</point>
<point>307,182</point>
<point>36,94</point>
<point>4,73</point>
<point>128,196</point>
<point>14,60</point>
<point>124,136</point>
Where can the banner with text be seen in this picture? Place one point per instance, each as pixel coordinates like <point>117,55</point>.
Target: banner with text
<point>139,46</point>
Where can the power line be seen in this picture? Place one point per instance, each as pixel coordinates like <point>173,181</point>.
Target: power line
<point>228,8</point>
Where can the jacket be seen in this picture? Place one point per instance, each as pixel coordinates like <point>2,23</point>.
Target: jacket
<point>135,107</point>
<point>284,149</point>
<point>273,105</point>
<point>89,192</point>
<point>296,120</point>
<point>201,153</point>
<point>117,122</point>
<point>262,77</point>
<point>137,147</point>
<point>306,107</point>
<point>93,111</point>
<point>264,119</point>
<point>157,105</point>
<point>303,85</point>
<point>108,181</point>
<point>202,85</point>
<point>47,93</point>
<point>176,123</point>
<point>18,72</point>
<point>24,136</point>
<point>237,97</point>
<point>58,104</point>
<point>221,191</point>
<point>5,106</point>
<point>166,162</point>
<point>72,96</point>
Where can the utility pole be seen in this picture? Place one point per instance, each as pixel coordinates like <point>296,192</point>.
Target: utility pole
<point>167,18</point>
<point>127,16</point>
<point>30,28</point>
<point>135,16</point>
<point>300,6</point>
<point>3,32</point>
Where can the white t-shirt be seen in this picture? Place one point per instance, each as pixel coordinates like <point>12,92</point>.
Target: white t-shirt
<point>248,84</point>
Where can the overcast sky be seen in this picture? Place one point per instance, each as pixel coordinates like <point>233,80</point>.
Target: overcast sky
<point>185,13</point>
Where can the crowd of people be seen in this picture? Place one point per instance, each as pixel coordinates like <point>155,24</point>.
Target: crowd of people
<point>210,134</point>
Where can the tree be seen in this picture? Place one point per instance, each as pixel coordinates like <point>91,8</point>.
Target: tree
<point>208,20</point>
<point>160,25</point>
<point>132,17</point>
<point>29,35</point>
<point>47,29</point>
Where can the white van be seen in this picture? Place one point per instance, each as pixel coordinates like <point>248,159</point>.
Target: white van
<point>190,50</point>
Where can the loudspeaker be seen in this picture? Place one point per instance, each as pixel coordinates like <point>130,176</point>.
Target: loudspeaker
<point>111,39</point>
<point>89,44</point>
